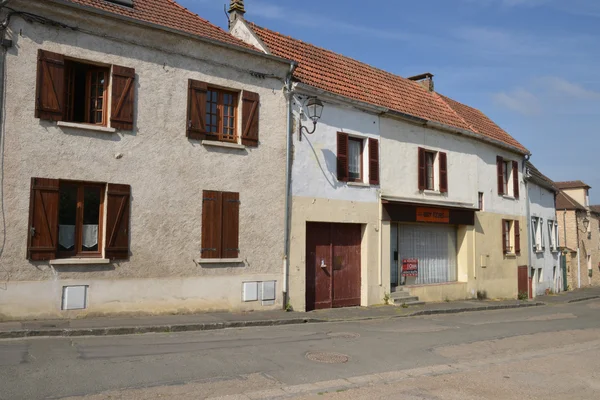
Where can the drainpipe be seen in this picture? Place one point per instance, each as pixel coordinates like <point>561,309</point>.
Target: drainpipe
<point>289,89</point>
<point>528,224</point>
<point>578,252</point>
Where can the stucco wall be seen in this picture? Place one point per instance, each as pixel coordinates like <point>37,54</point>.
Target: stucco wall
<point>167,171</point>
<point>578,276</point>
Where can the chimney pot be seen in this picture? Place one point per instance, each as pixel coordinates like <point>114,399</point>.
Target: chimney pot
<point>236,11</point>
<point>425,80</point>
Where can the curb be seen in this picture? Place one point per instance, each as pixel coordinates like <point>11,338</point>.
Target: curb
<point>136,330</point>
<point>583,299</point>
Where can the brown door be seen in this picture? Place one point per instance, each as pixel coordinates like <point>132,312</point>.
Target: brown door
<point>332,265</point>
<point>523,279</point>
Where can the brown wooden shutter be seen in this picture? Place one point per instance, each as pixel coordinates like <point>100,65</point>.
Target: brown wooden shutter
<point>123,98</point>
<point>443,172</point>
<point>196,113</point>
<point>250,114</point>
<point>500,170</point>
<point>212,204</point>
<point>515,168</point>
<point>504,233</point>
<point>231,224</point>
<point>342,157</point>
<point>118,205</point>
<point>422,176</point>
<point>517,238</point>
<point>42,238</point>
<point>50,86</point>
<point>373,161</point>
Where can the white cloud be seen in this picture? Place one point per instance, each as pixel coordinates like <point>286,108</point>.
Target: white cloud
<point>559,87</point>
<point>520,101</point>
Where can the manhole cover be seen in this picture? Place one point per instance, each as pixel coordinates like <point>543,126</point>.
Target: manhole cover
<point>327,358</point>
<point>344,335</point>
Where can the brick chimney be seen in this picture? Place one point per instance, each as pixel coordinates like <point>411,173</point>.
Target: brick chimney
<point>425,80</point>
<point>236,11</point>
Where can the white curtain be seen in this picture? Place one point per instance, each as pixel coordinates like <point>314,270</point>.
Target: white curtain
<point>355,149</point>
<point>435,248</point>
<point>90,236</point>
<point>66,236</point>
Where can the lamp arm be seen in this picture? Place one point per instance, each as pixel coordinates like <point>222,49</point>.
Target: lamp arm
<point>305,129</point>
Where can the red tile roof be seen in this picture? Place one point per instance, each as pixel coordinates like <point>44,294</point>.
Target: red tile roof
<point>169,14</point>
<point>347,77</point>
<point>572,185</point>
<point>595,209</point>
<point>566,202</point>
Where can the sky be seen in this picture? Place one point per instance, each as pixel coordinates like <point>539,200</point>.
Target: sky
<point>533,66</point>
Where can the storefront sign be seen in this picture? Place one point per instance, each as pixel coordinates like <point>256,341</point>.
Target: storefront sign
<point>438,215</point>
<point>410,267</point>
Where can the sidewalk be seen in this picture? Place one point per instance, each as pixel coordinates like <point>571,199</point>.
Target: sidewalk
<point>572,296</point>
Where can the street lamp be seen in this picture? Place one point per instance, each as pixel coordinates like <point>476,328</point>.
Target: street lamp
<point>314,107</point>
<point>586,224</point>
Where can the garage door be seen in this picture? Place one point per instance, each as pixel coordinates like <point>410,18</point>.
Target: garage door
<point>434,246</point>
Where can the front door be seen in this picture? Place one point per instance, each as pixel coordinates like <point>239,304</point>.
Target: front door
<point>332,265</point>
<point>523,280</point>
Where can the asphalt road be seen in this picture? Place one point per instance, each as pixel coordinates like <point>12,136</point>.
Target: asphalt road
<point>530,353</point>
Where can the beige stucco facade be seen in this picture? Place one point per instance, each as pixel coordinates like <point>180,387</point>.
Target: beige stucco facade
<point>167,172</point>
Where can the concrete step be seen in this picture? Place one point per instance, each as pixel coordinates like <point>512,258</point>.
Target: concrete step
<point>406,300</point>
<point>398,295</point>
<point>410,303</point>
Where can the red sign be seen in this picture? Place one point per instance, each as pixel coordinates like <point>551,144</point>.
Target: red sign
<point>410,267</point>
<point>438,215</point>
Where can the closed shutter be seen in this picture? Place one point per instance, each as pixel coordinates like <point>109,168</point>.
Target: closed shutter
<point>250,114</point>
<point>443,172</point>
<point>196,114</point>
<point>231,224</point>
<point>517,238</point>
<point>118,205</point>
<point>211,224</point>
<point>342,157</point>
<point>123,98</point>
<point>50,86</point>
<point>500,169</point>
<point>515,174</point>
<point>373,161</point>
<point>422,176</point>
<point>504,233</point>
<point>42,242</point>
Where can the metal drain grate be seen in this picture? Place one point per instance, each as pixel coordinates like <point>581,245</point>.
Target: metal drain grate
<point>343,335</point>
<point>327,358</point>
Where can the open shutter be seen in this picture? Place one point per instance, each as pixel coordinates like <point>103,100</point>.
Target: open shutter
<point>517,238</point>
<point>504,233</point>
<point>42,242</point>
<point>231,224</point>
<point>500,169</point>
<point>342,157</point>
<point>443,172</point>
<point>117,221</point>
<point>373,161</point>
<point>515,174</point>
<point>250,113</point>
<point>50,86</point>
<point>212,204</point>
<point>123,98</point>
<point>421,171</point>
<point>196,112</point>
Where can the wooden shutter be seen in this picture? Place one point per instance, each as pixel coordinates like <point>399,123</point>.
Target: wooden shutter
<point>373,161</point>
<point>231,224</point>
<point>50,86</point>
<point>196,112</point>
<point>500,170</point>
<point>504,233</point>
<point>342,157</point>
<point>212,204</point>
<point>250,114</point>
<point>117,221</point>
<point>443,172</point>
<point>42,238</point>
<point>515,169</point>
<point>517,238</point>
<point>123,98</point>
<point>422,176</point>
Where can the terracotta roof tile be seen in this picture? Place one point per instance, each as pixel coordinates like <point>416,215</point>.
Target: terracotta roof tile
<point>169,14</point>
<point>347,77</point>
<point>566,202</point>
<point>595,209</point>
<point>572,185</point>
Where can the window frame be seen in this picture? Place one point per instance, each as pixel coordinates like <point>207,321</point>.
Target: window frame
<point>508,239</point>
<point>70,99</point>
<point>481,200</point>
<point>430,177</point>
<point>506,171</point>
<point>222,137</point>
<point>78,246</point>
<point>361,142</point>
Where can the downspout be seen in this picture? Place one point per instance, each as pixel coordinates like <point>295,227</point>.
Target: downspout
<point>528,224</point>
<point>4,45</point>
<point>578,252</point>
<point>289,89</point>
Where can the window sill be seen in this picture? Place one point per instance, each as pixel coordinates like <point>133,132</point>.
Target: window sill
<point>359,184</point>
<point>220,261</point>
<point>509,197</point>
<point>80,261</point>
<point>510,255</point>
<point>88,127</point>
<point>226,145</point>
<point>433,192</point>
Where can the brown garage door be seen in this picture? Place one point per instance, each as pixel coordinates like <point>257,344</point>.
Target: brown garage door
<point>332,265</point>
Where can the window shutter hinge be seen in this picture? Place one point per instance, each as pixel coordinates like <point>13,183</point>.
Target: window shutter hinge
<point>233,201</point>
<point>203,250</point>
<point>232,249</point>
<point>208,199</point>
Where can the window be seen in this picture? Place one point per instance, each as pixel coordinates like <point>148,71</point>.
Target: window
<point>220,225</point>
<point>552,234</point>
<point>507,170</point>
<point>355,159</point>
<point>480,201</point>
<point>540,275</point>
<point>77,91</point>
<point>511,237</point>
<point>221,111</point>
<point>67,220</point>
<point>427,170</point>
<point>506,176</point>
<point>537,234</point>
<point>506,237</point>
<point>429,159</point>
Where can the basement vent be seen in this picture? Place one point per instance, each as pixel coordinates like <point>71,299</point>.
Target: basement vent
<point>126,3</point>
<point>74,297</point>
